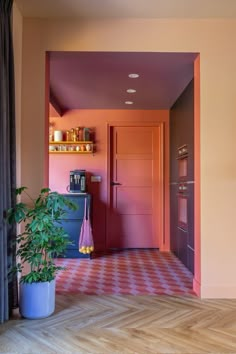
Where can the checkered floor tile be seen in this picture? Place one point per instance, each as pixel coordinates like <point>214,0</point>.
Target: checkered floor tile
<point>132,272</point>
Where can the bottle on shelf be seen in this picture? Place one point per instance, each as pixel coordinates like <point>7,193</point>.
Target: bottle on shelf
<point>80,134</point>
<point>86,134</point>
<point>74,137</point>
<point>72,134</point>
<point>67,135</point>
<point>51,132</point>
<point>77,133</point>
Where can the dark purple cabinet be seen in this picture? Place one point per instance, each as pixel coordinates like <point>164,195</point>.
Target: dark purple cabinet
<point>182,178</point>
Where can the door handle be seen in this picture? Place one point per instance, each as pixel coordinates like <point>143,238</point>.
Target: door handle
<point>115,184</point>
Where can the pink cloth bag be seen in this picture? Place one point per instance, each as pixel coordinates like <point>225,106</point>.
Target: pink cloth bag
<point>86,244</point>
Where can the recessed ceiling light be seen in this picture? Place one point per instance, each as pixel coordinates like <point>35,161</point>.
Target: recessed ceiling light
<point>131,90</point>
<point>129,102</point>
<point>133,76</point>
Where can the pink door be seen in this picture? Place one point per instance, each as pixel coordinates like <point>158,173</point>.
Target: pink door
<point>134,217</point>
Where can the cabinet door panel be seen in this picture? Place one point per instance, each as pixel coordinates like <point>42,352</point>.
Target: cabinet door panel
<point>173,218</point>
<point>173,150</point>
<point>182,131</point>
<point>72,227</point>
<point>191,215</point>
<point>79,201</point>
<point>182,246</point>
<point>190,259</point>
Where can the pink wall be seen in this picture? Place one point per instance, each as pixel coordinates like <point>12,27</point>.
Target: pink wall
<point>96,164</point>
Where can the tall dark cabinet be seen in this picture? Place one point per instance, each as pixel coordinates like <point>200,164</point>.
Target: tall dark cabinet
<point>182,177</point>
<point>73,221</point>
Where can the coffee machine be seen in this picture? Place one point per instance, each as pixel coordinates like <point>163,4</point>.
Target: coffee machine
<point>77,181</point>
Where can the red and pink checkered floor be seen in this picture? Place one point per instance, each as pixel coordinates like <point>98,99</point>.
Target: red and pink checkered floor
<point>130,272</point>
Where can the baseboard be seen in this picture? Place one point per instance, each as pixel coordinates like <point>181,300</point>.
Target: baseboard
<point>218,292</point>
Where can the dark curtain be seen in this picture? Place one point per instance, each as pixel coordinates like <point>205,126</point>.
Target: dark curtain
<point>8,282</point>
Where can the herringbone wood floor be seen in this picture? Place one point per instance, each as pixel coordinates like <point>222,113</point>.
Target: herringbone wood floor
<point>126,324</point>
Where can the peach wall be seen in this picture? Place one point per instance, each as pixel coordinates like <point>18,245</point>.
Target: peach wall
<point>96,164</point>
<point>215,40</point>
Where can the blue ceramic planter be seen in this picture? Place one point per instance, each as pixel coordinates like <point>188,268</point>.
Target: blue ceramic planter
<point>37,300</point>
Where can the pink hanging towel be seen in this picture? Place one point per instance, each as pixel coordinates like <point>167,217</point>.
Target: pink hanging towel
<point>86,244</point>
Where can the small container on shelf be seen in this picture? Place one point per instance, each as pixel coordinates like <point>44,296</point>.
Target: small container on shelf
<point>77,133</point>
<point>72,134</point>
<point>86,134</point>
<point>51,132</point>
<point>58,136</point>
<point>80,134</point>
<point>88,147</point>
<point>67,135</point>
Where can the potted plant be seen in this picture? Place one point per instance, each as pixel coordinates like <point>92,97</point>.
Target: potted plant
<point>41,240</point>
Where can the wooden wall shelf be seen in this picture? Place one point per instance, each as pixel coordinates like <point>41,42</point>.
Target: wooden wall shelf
<point>71,152</point>
<point>69,142</point>
<point>71,147</point>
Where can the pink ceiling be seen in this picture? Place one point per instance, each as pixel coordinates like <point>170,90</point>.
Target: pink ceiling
<point>99,80</point>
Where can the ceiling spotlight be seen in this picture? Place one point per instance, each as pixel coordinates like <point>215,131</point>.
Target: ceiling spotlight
<point>133,76</point>
<point>129,102</point>
<point>131,90</point>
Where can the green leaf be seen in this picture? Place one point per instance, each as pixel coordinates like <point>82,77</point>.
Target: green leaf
<point>20,190</point>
